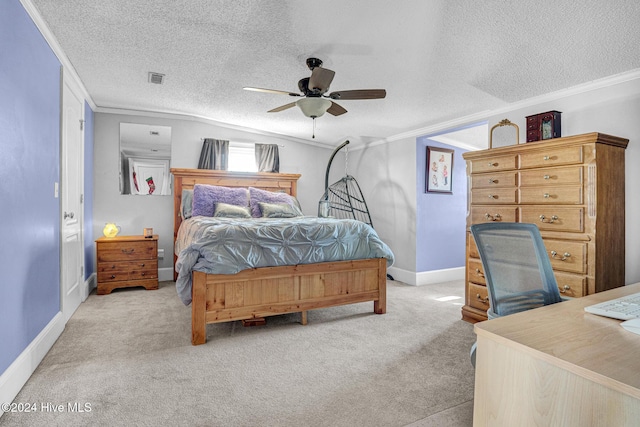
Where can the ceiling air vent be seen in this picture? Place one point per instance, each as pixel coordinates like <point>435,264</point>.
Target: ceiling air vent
<point>156,78</point>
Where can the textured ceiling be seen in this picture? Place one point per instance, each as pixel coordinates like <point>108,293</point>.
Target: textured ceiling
<point>438,60</point>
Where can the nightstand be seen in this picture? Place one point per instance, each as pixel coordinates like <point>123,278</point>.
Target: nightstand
<point>127,261</point>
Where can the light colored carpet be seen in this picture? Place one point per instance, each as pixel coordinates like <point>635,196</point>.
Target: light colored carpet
<point>128,356</point>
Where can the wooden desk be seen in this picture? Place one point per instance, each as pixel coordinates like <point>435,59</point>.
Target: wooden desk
<point>558,366</point>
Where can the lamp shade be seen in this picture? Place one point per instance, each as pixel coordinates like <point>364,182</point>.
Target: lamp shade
<point>313,106</point>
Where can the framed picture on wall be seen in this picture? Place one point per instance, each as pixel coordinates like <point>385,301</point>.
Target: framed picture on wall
<point>439,170</point>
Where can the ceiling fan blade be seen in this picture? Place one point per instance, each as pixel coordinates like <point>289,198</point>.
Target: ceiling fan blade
<point>320,79</point>
<point>282,107</point>
<point>279,92</point>
<point>336,109</point>
<point>359,94</point>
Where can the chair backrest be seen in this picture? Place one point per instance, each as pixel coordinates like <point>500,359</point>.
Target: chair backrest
<point>516,267</point>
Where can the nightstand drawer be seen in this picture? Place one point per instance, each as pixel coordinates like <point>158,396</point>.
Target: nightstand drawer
<point>122,251</point>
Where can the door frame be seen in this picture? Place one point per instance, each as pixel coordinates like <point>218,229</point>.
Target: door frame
<point>69,306</point>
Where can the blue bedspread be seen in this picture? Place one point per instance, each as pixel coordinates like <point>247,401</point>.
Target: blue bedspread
<point>230,245</point>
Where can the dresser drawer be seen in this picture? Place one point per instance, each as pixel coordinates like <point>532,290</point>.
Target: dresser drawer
<point>494,164</point>
<point>551,157</point>
<point>551,176</point>
<point>553,218</point>
<point>494,196</point>
<point>494,213</point>
<point>492,180</point>
<point>478,297</point>
<point>476,272</point>
<point>561,195</point>
<point>567,255</point>
<point>473,249</point>
<point>571,285</point>
<point>122,251</point>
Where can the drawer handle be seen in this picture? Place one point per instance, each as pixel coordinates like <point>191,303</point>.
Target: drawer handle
<point>546,177</point>
<point>479,273</point>
<point>547,157</point>
<point>493,165</point>
<point>142,265</point>
<point>127,251</point>
<point>491,196</point>
<point>565,288</point>
<point>113,276</point>
<point>566,255</point>
<point>490,217</point>
<point>483,300</point>
<point>493,181</point>
<point>553,219</point>
<point>142,273</point>
<point>546,195</point>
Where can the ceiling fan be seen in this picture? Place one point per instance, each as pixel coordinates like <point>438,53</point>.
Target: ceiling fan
<point>315,101</point>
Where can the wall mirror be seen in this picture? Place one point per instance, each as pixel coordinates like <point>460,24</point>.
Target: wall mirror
<point>145,159</point>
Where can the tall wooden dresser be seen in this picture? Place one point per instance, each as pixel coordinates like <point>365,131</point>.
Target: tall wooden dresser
<point>573,189</point>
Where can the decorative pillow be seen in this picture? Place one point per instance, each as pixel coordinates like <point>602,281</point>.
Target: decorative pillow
<point>206,196</point>
<point>256,196</point>
<point>278,210</point>
<point>231,211</point>
<point>186,204</point>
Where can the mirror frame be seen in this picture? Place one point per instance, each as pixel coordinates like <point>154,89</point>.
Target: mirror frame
<point>504,122</point>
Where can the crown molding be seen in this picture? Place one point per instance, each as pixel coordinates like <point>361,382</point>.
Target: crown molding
<point>202,119</point>
<point>483,116</point>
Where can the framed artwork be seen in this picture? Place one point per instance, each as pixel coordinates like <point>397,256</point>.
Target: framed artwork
<point>439,170</point>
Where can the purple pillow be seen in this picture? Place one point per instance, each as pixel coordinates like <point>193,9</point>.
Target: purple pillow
<point>205,198</point>
<point>256,196</point>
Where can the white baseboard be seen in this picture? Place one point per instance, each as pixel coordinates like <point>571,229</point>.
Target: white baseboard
<point>89,285</point>
<point>165,274</point>
<point>17,374</point>
<point>426,277</point>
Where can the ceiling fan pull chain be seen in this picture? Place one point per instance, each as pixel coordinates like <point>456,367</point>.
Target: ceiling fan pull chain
<point>314,128</point>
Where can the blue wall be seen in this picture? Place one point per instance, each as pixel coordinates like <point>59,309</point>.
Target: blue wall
<point>440,217</point>
<point>89,250</point>
<point>29,169</point>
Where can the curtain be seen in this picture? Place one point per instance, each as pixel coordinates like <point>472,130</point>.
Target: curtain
<point>267,158</point>
<point>214,154</point>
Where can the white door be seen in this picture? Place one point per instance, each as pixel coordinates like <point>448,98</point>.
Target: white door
<point>72,252</point>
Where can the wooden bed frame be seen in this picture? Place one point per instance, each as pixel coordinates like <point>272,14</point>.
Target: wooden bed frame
<point>267,291</point>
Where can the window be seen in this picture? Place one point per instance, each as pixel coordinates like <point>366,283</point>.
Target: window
<point>242,157</point>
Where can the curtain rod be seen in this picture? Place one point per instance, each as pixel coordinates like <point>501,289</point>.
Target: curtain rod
<point>279,145</point>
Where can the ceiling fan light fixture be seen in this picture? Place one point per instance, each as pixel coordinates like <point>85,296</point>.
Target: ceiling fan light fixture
<point>313,106</point>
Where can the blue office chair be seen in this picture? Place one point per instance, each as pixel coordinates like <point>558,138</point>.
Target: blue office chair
<point>516,267</point>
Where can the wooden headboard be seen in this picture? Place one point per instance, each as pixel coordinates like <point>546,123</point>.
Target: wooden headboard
<point>185,179</point>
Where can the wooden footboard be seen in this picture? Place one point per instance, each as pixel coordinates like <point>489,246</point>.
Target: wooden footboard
<point>268,291</point>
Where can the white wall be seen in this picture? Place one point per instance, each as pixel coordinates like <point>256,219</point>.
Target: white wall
<point>613,110</point>
<point>387,171</point>
<point>133,213</point>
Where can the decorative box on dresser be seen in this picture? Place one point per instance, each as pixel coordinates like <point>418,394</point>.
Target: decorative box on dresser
<point>573,189</point>
<point>127,261</point>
